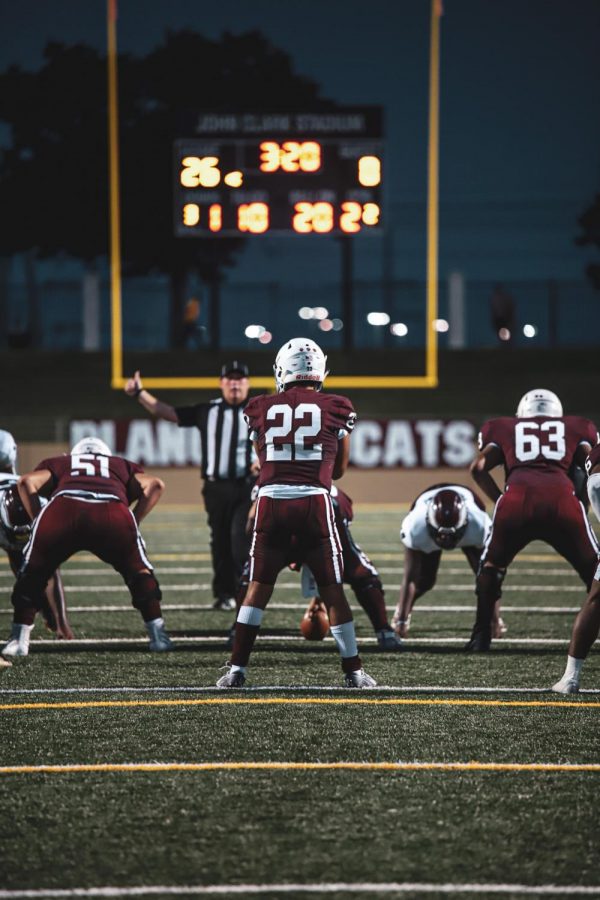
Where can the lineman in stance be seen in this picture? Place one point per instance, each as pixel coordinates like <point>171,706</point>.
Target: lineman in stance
<point>302,438</point>
<point>89,494</point>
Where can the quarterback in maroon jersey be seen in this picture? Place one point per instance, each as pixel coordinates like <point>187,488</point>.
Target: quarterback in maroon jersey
<point>302,438</point>
<point>537,448</point>
<point>90,491</point>
<point>587,624</point>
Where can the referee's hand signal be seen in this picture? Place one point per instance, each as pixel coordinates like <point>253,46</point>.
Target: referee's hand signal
<point>134,384</point>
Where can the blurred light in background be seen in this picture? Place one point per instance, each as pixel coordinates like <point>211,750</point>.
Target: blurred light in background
<point>326,325</point>
<point>266,337</point>
<point>320,312</point>
<point>399,329</point>
<point>378,318</point>
<point>529,331</point>
<point>337,324</point>
<point>504,334</point>
<point>440,325</point>
<point>255,331</point>
<point>306,312</point>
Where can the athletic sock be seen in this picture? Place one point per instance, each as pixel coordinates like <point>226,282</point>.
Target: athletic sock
<point>247,627</point>
<point>345,638</point>
<point>573,668</point>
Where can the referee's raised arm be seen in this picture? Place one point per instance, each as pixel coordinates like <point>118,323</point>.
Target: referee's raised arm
<point>156,407</point>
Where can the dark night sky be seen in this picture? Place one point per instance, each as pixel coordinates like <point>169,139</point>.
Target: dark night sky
<point>520,95</point>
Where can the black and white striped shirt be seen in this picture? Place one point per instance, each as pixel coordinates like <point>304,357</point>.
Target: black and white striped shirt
<point>226,446</point>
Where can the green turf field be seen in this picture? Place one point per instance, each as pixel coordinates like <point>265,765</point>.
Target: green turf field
<point>462,775</point>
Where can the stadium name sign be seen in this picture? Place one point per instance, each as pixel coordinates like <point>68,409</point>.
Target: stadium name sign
<point>392,443</point>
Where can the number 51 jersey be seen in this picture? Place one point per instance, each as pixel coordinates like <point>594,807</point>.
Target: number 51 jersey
<point>539,445</point>
<point>298,434</point>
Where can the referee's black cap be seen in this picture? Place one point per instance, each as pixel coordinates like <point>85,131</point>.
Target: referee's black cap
<point>235,368</point>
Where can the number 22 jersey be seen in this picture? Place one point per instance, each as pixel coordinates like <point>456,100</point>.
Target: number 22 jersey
<point>297,433</point>
<point>537,446</point>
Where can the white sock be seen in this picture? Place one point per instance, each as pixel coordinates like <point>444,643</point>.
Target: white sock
<point>235,669</point>
<point>345,638</point>
<point>158,622</point>
<point>250,615</point>
<point>573,668</point>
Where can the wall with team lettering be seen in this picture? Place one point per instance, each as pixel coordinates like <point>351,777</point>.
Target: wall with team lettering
<point>388,444</point>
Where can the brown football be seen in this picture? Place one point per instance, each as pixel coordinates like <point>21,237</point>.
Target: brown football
<point>314,625</point>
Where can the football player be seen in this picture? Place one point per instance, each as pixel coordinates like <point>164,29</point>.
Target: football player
<point>89,493</point>
<point>302,439</point>
<point>15,529</point>
<point>587,624</point>
<point>359,572</point>
<point>537,448</point>
<point>442,517</point>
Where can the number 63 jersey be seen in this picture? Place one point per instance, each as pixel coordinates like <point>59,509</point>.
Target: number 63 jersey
<point>298,434</point>
<point>537,446</point>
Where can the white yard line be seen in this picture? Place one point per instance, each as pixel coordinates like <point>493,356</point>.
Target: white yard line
<point>356,887</point>
<point>209,638</point>
<point>295,586</point>
<point>299,607</point>
<point>293,689</point>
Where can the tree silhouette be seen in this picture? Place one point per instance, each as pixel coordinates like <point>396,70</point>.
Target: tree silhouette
<point>54,176</point>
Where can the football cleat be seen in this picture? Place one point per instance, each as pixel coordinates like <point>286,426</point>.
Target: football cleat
<point>388,640</point>
<point>159,639</point>
<point>480,640</point>
<point>18,643</point>
<point>231,679</point>
<point>566,685</point>
<point>224,603</point>
<point>359,679</point>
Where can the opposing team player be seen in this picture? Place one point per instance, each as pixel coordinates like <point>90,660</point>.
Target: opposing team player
<point>15,529</point>
<point>89,494</point>
<point>587,624</point>
<point>537,448</point>
<point>442,517</point>
<point>302,438</point>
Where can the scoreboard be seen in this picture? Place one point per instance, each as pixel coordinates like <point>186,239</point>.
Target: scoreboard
<point>280,173</point>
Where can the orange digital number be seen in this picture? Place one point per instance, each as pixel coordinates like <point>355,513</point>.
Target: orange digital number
<point>253,217</point>
<point>313,217</point>
<point>290,156</point>
<point>191,214</point>
<point>370,214</point>
<point>215,217</point>
<point>200,171</point>
<point>351,217</point>
<point>369,171</point>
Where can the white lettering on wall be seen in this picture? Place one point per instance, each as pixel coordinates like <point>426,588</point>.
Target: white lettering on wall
<point>399,448</point>
<point>365,445</point>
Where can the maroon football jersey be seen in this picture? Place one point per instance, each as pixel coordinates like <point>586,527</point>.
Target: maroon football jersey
<point>593,459</point>
<point>297,433</point>
<point>537,445</point>
<point>88,472</point>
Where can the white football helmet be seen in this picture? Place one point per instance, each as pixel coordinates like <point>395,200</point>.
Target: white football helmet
<point>300,360</point>
<point>91,445</point>
<point>539,402</point>
<point>8,452</point>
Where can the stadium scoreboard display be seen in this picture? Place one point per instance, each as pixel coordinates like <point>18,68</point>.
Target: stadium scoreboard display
<point>280,173</point>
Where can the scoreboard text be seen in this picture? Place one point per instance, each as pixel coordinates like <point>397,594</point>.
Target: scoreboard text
<point>309,173</point>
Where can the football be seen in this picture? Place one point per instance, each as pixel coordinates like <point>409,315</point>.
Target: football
<point>314,624</point>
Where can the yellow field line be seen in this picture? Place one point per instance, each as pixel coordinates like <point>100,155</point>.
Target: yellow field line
<point>298,701</point>
<point>303,766</point>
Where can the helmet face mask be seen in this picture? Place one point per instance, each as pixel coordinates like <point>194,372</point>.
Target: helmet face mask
<point>447,518</point>
<point>8,452</point>
<point>91,445</point>
<point>539,402</point>
<point>300,361</point>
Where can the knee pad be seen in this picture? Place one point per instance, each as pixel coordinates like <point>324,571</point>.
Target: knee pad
<point>489,583</point>
<point>29,590</point>
<point>144,589</point>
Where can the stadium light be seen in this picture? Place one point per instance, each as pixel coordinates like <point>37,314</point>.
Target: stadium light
<point>378,318</point>
<point>399,329</point>
<point>529,331</point>
<point>504,334</point>
<point>440,325</point>
<point>255,331</point>
<point>266,337</point>
<point>320,312</point>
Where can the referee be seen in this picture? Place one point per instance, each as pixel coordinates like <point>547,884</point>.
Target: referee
<point>228,470</point>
